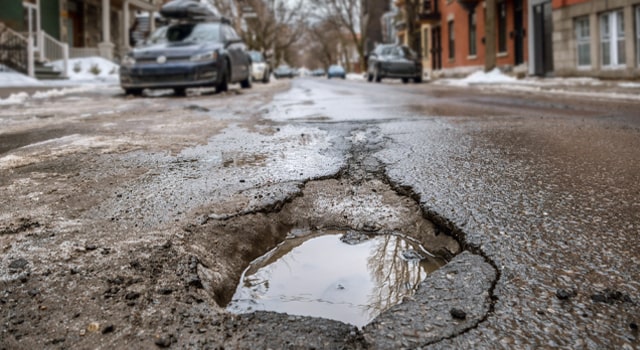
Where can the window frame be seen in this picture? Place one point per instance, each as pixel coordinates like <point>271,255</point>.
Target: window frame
<point>638,35</point>
<point>451,40</point>
<point>425,43</point>
<point>583,40</point>
<point>473,33</point>
<point>612,39</point>
<point>502,27</point>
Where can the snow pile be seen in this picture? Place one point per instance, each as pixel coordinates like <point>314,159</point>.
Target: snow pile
<point>629,85</point>
<point>17,98</point>
<point>355,76</point>
<point>90,69</point>
<point>12,79</point>
<point>493,77</point>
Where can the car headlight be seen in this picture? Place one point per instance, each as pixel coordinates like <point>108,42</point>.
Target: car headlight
<point>128,61</point>
<point>207,56</point>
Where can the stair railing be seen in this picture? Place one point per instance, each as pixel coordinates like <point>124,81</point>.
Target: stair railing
<point>16,51</point>
<point>54,50</point>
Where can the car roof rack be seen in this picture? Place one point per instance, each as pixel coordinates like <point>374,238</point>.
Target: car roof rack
<point>191,10</point>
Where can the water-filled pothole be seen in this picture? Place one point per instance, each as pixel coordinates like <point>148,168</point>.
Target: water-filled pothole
<point>349,277</point>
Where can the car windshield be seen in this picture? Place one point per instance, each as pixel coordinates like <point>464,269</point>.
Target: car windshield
<point>186,32</point>
<point>283,68</point>
<point>335,69</point>
<point>256,57</point>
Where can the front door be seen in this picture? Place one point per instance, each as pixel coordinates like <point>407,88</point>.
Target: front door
<point>519,33</point>
<point>436,48</point>
<point>542,44</point>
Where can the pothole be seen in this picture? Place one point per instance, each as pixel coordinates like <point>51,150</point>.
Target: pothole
<point>394,249</point>
<point>350,277</point>
<point>325,209</point>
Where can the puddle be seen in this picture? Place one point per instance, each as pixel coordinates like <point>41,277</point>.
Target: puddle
<point>350,280</point>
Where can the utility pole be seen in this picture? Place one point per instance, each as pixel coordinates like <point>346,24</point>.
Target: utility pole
<point>490,36</point>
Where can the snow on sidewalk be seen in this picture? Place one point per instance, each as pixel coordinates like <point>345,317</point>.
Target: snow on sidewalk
<point>84,74</point>
<point>578,87</point>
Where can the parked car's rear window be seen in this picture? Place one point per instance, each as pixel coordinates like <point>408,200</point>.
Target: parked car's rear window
<point>186,32</point>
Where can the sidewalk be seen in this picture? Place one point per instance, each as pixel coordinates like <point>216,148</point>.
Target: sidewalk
<point>577,87</point>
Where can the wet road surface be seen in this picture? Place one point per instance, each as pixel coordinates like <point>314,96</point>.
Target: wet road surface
<point>162,193</point>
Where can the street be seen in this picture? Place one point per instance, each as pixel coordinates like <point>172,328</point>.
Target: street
<point>128,222</point>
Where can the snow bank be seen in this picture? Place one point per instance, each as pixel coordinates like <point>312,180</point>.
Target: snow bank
<point>355,76</point>
<point>12,79</point>
<point>90,69</point>
<point>493,77</point>
<point>17,98</point>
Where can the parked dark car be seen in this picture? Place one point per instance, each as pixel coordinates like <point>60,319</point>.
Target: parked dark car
<point>336,71</point>
<point>199,50</point>
<point>284,71</point>
<point>394,61</point>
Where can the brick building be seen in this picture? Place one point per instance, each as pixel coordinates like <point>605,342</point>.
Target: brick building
<point>453,39</point>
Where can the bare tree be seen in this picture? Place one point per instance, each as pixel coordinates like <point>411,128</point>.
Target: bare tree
<point>270,26</point>
<point>325,39</point>
<point>344,15</point>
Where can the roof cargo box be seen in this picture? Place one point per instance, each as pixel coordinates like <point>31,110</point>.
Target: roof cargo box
<point>186,9</point>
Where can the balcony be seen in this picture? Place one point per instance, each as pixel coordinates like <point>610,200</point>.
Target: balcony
<point>469,4</point>
<point>429,11</point>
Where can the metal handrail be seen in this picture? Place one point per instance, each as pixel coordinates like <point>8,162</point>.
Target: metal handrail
<point>53,50</point>
<point>16,51</point>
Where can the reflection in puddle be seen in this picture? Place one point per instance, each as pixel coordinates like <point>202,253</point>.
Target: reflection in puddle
<point>319,275</point>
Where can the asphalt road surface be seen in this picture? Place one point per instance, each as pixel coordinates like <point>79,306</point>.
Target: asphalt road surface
<point>127,222</point>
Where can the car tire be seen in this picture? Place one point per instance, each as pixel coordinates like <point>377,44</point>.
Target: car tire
<point>180,91</point>
<point>266,77</point>
<point>246,84</point>
<point>417,80</point>
<point>405,80</point>
<point>133,92</point>
<point>369,77</point>
<point>223,85</point>
<point>376,74</point>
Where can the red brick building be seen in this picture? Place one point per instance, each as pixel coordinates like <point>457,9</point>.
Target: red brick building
<point>453,40</point>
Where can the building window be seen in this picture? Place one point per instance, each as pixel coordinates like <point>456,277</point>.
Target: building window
<point>583,41</point>
<point>612,39</point>
<point>425,43</point>
<point>638,34</point>
<point>452,46</point>
<point>502,27</point>
<point>472,33</point>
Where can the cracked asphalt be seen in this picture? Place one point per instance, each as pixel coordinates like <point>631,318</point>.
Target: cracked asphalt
<point>127,222</point>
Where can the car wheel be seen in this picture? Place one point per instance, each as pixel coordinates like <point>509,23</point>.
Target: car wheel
<point>369,77</point>
<point>266,77</point>
<point>223,85</point>
<point>246,84</point>
<point>417,80</point>
<point>180,91</point>
<point>133,92</point>
<point>405,80</point>
<point>376,75</point>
